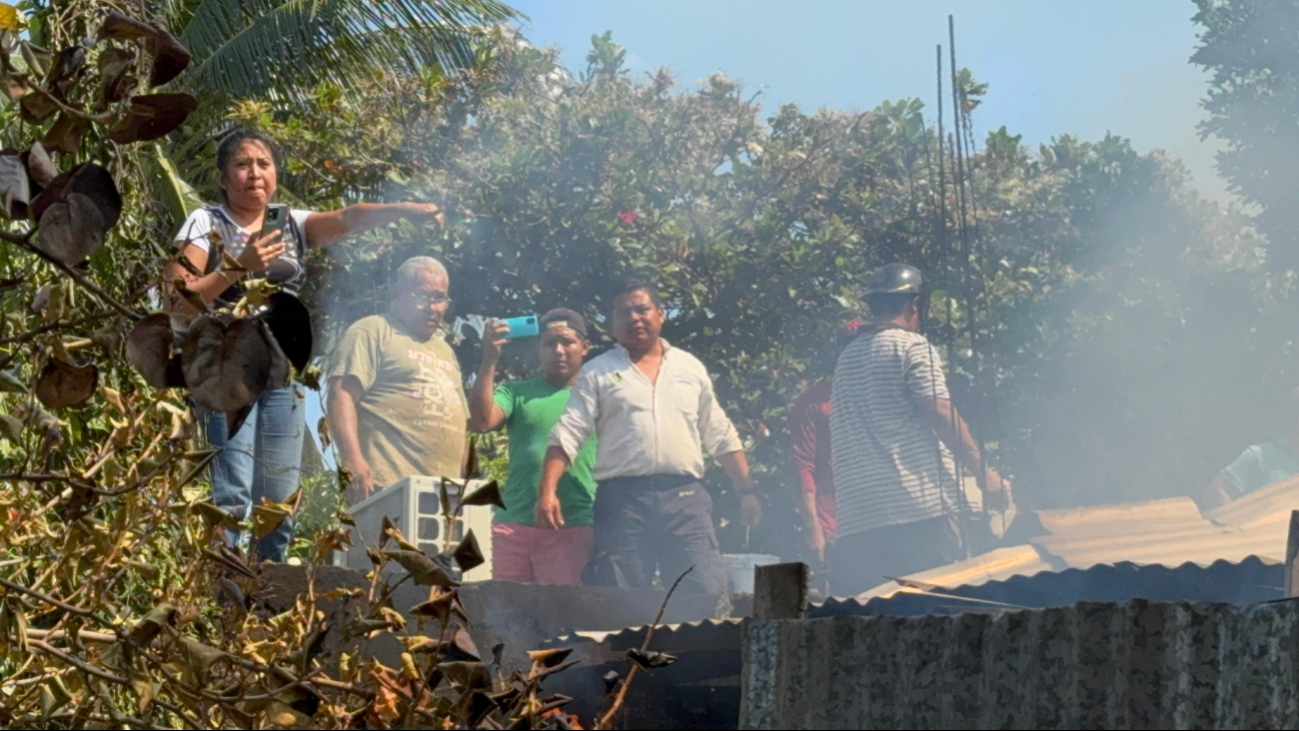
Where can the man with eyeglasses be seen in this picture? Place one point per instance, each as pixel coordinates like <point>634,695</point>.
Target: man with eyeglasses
<point>396,400</point>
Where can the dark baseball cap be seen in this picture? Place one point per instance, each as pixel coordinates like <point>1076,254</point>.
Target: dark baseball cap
<point>564,317</point>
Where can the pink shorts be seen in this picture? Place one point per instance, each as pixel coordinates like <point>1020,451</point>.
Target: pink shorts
<point>526,554</point>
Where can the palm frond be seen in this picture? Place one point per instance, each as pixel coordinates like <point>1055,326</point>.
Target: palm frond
<point>279,48</point>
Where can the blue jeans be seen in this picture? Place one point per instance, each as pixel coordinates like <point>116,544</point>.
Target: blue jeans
<point>262,460</point>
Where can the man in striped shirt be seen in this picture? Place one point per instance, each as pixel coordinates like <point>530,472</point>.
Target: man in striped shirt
<point>893,432</point>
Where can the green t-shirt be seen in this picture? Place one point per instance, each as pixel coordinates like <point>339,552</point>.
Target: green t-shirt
<point>531,409</point>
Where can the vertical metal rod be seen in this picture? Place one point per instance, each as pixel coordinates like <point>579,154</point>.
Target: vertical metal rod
<point>966,253</point>
<point>951,358</point>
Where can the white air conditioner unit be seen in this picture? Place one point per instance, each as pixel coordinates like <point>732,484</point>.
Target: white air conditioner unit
<point>414,505</point>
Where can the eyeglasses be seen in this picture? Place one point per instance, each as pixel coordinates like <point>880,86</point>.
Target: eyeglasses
<point>425,301</point>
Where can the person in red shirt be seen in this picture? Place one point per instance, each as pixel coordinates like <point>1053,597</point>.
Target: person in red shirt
<point>809,436</point>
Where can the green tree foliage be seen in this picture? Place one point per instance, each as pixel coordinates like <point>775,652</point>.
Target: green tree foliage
<point>277,48</point>
<point>1125,339</point>
<point>1251,47</point>
<point>120,603</point>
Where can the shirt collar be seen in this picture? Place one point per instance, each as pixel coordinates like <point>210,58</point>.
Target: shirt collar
<point>627,354</point>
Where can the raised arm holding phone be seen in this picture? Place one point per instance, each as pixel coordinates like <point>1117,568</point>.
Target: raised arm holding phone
<point>260,240</point>
<point>523,551</point>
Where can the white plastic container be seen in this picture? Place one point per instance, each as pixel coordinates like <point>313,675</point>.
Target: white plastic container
<point>740,569</point>
<point>414,505</point>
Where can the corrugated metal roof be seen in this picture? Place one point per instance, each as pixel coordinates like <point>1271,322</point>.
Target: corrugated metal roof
<point>1168,532</point>
<point>1246,582</point>
<point>673,634</point>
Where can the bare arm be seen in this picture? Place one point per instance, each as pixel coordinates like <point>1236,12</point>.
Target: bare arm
<point>325,227</point>
<point>737,468</point>
<point>548,513</point>
<point>344,393</point>
<point>815,531</point>
<point>484,414</point>
<point>944,419</point>
<point>255,257</point>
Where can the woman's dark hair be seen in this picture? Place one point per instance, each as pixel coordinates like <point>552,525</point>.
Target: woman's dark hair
<point>231,142</point>
<point>631,286</point>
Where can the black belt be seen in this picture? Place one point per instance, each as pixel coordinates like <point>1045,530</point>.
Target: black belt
<point>649,483</point>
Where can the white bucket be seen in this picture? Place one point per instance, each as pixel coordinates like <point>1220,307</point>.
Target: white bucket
<point>740,569</point>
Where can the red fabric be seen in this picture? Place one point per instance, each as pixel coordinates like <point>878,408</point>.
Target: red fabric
<point>809,435</point>
<point>526,554</point>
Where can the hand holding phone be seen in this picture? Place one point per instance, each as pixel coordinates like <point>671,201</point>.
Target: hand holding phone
<point>520,327</point>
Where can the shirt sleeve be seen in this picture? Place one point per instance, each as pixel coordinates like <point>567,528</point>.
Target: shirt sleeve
<point>1246,473</point>
<point>715,428</point>
<point>925,380</point>
<point>196,231</point>
<point>802,442</point>
<point>503,397</point>
<point>357,355</point>
<point>577,423</point>
<point>300,217</point>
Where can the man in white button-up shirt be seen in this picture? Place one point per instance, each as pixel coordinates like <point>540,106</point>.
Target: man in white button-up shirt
<point>652,409</point>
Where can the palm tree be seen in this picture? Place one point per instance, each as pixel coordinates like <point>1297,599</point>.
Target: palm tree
<point>278,49</point>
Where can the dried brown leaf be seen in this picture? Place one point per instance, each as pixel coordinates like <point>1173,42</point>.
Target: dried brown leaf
<point>488,494</point>
<point>118,26</point>
<point>75,212</point>
<point>215,517</point>
<point>65,136</point>
<point>61,385</point>
<point>170,58</point>
<point>650,660</point>
<point>39,165</point>
<point>148,349</point>
<point>115,71</point>
<point>267,517</point>
<point>227,362</point>
<point>468,556</point>
<point>151,116</point>
<point>424,571</point>
<point>36,108</point>
<point>549,658</point>
<point>152,623</point>
<point>15,188</point>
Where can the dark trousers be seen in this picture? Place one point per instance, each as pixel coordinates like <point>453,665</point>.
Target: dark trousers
<point>659,521</point>
<point>862,561</point>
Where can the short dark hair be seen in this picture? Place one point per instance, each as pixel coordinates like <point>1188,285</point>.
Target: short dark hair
<point>231,142</point>
<point>632,286</point>
<point>890,304</point>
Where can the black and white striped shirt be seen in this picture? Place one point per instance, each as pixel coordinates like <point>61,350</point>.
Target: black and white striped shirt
<point>889,466</point>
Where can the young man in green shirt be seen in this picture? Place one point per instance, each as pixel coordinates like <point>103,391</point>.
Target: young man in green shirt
<point>522,552</point>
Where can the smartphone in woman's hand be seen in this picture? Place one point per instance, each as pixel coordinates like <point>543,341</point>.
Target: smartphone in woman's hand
<point>277,216</point>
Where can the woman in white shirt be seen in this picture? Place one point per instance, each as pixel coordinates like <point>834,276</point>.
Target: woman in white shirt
<point>263,458</point>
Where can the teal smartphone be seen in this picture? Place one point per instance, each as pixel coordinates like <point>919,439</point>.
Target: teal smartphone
<point>521,327</point>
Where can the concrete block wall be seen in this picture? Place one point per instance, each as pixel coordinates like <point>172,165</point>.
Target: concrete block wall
<point>1135,665</point>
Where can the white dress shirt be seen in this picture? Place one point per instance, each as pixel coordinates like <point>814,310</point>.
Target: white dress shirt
<point>643,427</point>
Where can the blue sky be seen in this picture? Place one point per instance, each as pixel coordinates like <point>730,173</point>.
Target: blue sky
<point>1081,67</point>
